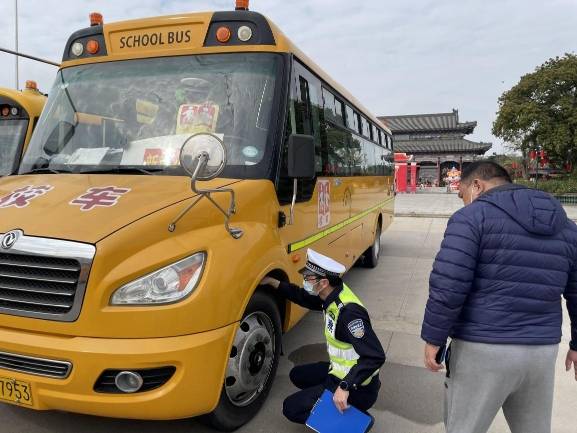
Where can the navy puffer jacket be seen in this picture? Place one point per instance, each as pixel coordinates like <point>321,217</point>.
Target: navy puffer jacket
<point>505,263</point>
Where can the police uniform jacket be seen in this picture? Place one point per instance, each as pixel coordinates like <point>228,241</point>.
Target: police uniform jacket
<point>366,344</point>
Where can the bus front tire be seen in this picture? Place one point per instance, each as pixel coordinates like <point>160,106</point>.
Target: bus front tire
<point>251,366</point>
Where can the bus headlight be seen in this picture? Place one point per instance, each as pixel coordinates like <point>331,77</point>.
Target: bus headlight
<point>165,286</point>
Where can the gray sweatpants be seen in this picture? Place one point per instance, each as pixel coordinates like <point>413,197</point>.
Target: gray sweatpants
<point>487,377</point>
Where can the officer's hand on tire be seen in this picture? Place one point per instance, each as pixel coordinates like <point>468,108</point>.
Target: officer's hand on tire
<point>269,281</point>
<point>340,399</point>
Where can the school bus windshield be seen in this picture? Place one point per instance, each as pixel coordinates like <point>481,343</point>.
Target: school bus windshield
<point>12,135</point>
<point>136,114</point>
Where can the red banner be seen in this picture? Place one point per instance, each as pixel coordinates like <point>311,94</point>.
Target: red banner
<point>401,176</point>
<point>413,187</point>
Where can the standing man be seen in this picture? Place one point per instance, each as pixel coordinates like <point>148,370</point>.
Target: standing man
<point>354,350</point>
<point>496,288</point>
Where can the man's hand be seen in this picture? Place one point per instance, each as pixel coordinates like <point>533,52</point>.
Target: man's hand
<point>340,399</point>
<point>269,281</point>
<point>571,360</point>
<point>430,354</point>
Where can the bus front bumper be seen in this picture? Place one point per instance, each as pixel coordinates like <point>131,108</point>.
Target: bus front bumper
<point>194,389</point>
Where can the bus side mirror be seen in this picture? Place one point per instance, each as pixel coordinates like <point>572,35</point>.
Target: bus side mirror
<point>301,156</point>
<point>301,163</point>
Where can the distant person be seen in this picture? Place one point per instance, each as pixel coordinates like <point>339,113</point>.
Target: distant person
<point>496,289</point>
<point>354,350</point>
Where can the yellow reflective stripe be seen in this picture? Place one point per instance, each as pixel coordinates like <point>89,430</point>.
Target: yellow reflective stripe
<point>344,354</point>
<point>366,382</point>
<point>312,239</point>
<point>339,361</point>
<point>341,371</point>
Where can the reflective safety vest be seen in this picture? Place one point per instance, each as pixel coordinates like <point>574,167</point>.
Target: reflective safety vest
<point>342,355</point>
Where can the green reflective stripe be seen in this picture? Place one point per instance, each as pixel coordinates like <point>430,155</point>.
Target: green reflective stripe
<point>312,239</point>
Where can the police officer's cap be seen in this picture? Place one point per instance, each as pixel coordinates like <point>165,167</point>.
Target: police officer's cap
<point>322,266</point>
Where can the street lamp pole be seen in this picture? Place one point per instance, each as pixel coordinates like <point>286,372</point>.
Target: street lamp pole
<point>16,38</point>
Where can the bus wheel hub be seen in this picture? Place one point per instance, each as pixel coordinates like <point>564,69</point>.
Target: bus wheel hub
<point>250,359</point>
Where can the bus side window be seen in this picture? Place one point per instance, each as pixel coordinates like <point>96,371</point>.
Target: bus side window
<point>303,109</point>
<point>305,104</point>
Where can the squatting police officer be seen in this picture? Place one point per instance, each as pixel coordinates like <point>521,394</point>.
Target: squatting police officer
<point>354,350</point>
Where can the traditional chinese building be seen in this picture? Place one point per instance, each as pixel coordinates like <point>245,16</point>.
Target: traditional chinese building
<point>436,143</point>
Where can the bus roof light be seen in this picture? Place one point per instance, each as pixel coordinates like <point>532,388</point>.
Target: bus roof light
<point>77,49</point>
<point>223,34</point>
<point>31,85</point>
<point>244,33</point>
<point>96,19</point>
<point>92,46</point>
<point>242,5</point>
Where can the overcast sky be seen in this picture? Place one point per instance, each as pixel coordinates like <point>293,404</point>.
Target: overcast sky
<point>395,56</point>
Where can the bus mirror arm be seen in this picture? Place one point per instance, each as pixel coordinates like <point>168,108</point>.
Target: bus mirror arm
<point>202,159</point>
<point>295,188</point>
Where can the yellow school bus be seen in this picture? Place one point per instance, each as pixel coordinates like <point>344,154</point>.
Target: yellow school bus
<point>19,113</point>
<point>178,161</point>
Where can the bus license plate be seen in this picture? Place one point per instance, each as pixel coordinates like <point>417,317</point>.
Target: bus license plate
<point>15,391</point>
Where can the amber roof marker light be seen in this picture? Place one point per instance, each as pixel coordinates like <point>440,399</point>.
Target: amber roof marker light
<point>242,5</point>
<point>223,34</point>
<point>92,46</point>
<point>96,19</point>
<point>31,85</point>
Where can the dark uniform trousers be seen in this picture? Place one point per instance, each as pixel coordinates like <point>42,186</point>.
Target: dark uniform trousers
<point>313,379</point>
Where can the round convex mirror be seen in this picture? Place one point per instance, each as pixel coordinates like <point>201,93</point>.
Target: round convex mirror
<point>206,144</point>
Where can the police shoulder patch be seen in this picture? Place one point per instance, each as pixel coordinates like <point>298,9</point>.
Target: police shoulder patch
<point>356,328</point>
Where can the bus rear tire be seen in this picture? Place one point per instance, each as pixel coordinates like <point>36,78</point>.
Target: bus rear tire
<point>256,346</point>
<point>372,254</point>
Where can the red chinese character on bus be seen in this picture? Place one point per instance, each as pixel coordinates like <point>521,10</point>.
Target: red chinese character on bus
<point>21,197</point>
<point>99,196</point>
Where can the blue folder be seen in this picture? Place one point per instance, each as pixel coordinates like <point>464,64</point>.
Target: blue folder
<point>326,418</point>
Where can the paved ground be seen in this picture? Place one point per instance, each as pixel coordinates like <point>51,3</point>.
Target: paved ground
<point>427,205</point>
<point>440,205</point>
<point>411,397</point>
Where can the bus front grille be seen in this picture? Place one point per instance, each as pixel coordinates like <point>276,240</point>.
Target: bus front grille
<point>38,284</point>
<point>44,278</point>
<point>36,366</point>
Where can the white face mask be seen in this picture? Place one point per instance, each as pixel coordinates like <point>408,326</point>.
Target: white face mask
<point>310,287</point>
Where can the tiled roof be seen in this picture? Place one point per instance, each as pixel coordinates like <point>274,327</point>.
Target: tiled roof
<point>441,145</point>
<point>428,123</point>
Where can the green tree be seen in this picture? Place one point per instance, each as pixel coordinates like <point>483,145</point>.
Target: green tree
<point>541,110</point>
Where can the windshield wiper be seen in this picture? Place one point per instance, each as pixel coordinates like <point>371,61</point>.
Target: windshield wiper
<point>124,170</point>
<point>45,170</point>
